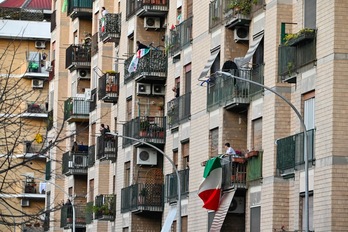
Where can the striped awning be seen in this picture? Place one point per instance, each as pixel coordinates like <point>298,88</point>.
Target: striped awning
<point>220,214</point>
<point>209,64</point>
<point>246,59</point>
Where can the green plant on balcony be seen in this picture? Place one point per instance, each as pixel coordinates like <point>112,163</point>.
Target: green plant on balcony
<point>292,37</point>
<point>104,209</point>
<point>241,6</point>
<point>144,127</point>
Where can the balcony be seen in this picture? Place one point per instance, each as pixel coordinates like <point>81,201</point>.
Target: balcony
<point>35,110</point>
<point>290,155</point>
<point>80,9</point>
<point>233,94</point>
<point>108,90</point>
<point>152,66</point>
<point>21,14</point>
<point>142,197</point>
<point>107,148</point>
<point>105,207</point>
<point>76,110</point>
<point>75,163</point>
<point>237,13</point>
<point>36,66</point>
<point>234,172</point>
<point>171,186</point>
<point>89,212</point>
<point>150,129</point>
<point>91,156</point>
<point>179,110</point>
<point>33,147</point>
<point>31,188</point>
<point>78,56</point>
<point>110,28</point>
<point>147,8</point>
<point>66,216</point>
<point>180,37</point>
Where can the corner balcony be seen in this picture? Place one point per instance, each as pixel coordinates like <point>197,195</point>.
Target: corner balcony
<point>76,110</point>
<point>108,90</point>
<point>179,110</point>
<point>233,94</point>
<point>35,110</point>
<point>107,148</point>
<point>290,156</point>
<point>144,8</point>
<point>34,189</point>
<point>66,216</point>
<point>80,9</point>
<point>75,163</point>
<point>105,207</point>
<point>150,129</point>
<point>180,37</point>
<point>110,28</point>
<point>142,197</point>
<point>236,15</point>
<point>172,183</point>
<point>78,56</point>
<point>37,66</point>
<point>152,66</point>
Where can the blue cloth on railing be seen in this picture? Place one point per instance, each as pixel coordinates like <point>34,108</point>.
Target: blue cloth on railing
<point>83,148</point>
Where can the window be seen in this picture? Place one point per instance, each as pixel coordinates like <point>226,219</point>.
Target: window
<point>126,174</point>
<point>214,142</point>
<point>129,109</point>
<point>255,219</point>
<point>185,148</point>
<point>91,190</point>
<point>216,65</point>
<point>175,159</point>
<point>310,11</point>
<point>257,134</point>
<point>310,211</point>
<point>309,110</point>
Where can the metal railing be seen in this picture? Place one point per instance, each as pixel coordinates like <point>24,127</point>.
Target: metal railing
<point>151,129</point>
<point>22,14</point>
<point>36,108</point>
<point>290,151</point>
<point>105,207</point>
<point>66,216</point>
<point>133,6</point>
<point>107,147</point>
<point>171,191</point>
<point>78,8</point>
<point>144,197</point>
<point>179,110</point>
<point>78,55</point>
<point>75,163</point>
<point>110,28</point>
<point>108,90</point>
<point>76,107</point>
<point>181,36</point>
<point>234,172</point>
<point>34,187</point>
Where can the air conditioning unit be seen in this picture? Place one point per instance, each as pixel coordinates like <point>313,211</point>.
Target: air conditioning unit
<point>37,84</point>
<point>40,44</point>
<point>80,161</point>
<point>25,202</point>
<point>237,205</point>
<point>146,156</point>
<point>158,89</point>
<point>241,34</point>
<point>143,88</point>
<point>152,23</point>
<point>83,73</point>
<point>88,95</point>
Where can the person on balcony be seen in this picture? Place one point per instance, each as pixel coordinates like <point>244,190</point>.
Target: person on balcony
<point>75,147</point>
<point>230,150</point>
<point>104,11</point>
<point>140,45</point>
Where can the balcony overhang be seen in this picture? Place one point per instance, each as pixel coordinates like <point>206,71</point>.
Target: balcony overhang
<point>238,20</point>
<point>153,10</point>
<point>36,75</point>
<point>34,115</point>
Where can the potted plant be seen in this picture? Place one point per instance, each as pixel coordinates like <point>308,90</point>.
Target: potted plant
<point>294,38</point>
<point>241,6</point>
<point>142,195</point>
<point>144,127</point>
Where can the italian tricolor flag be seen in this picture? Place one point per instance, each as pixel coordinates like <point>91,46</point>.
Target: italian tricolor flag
<point>210,189</point>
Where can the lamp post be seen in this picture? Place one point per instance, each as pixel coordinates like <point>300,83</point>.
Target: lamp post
<point>72,202</point>
<point>178,229</point>
<point>305,138</point>
<point>14,221</point>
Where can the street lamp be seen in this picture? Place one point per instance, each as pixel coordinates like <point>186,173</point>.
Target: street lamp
<point>178,229</point>
<point>60,188</point>
<point>305,138</point>
<point>14,221</point>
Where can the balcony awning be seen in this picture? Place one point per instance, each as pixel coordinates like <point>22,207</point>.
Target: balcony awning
<point>240,61</point>
<point>209,64</point>
<point>220,214</point>
<point>169,220</point>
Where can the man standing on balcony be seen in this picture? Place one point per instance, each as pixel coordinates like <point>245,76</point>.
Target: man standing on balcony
<point>229,150</point>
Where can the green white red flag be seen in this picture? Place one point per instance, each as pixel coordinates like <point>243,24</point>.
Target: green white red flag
<point>210,189</point>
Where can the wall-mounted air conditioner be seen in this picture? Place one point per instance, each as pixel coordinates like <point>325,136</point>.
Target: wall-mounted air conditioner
<point>143,88</point>
<point>40,44</point>
<point>146,156</point>
<point>37,84</point>
<point>152,23</point>
<point>241,34</point>
<point>158,89</point>
<point>84,74</point>
<point>237,205</point>
<point>25,202</point>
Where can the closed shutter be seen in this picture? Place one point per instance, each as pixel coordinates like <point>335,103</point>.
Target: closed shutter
<point>310,11</point>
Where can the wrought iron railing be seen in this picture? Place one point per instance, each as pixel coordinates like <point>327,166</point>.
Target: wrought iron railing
<point>107,147</point>
<point>110,28</point>
<point>171,187</point>
<point>108,90</point>
<point>21,14</point>
<point>78,8</point>
<point>234,172</point>
<point>143,197</point>
<point>76,107</point>
<point>105,207</point>
<point>151,129</point>
<point>75,163</point>
<point>290,151</point>
<point>179,110</point>
<point>66,216</point>
<point>152,64</point>
<point>34,187</point>
<point>181,36</point>
<point>133,6</point>
<point>78,56</point>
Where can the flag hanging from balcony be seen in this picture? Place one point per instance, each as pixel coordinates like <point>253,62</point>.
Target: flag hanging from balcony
<point>134,63</point>
<point>65,6</point>
<point>210,189</point>
<point>102,24</point>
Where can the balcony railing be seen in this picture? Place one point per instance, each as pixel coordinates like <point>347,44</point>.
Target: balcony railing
<point>147,8</point>
<point>53,20</point>
<point>37,65</point>
<point>91,155</point>
<point>179,110</point>
<point>94,44</point>
<point>78,56</point>
<point>76,109</point>
<point>105,207</point>
<point>108,90</point>
<point>89,212</point>
<point>34,187</point>
<point>75,163</point>
<point>181,36</point>
<point>107,148</point>
<point>171,186</point>
<point>234,172</point>
<point>66,216</point>
<point>21,14</point>
<point>33,147</point>
<point>153,65</point>
<point>225,91</point>
<point>142,197</point>
<point>36,110</point>
<point>290,152</point>
<point>80,8</point>
<point>110,28</point>
<point>150,129</point>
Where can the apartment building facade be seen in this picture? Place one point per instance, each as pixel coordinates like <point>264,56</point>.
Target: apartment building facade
<point>177,94</point>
